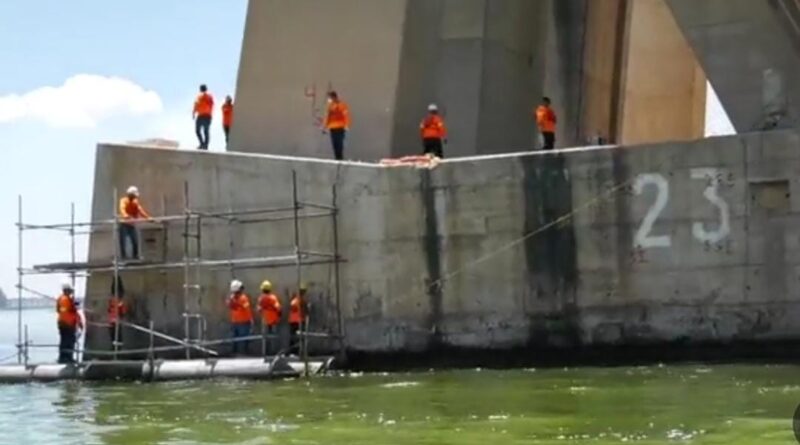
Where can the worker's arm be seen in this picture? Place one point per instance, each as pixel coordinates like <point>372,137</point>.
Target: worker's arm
<point>195,107</point>
<point>144,213</point>
<point>444,129</point>
<point>346,113</point>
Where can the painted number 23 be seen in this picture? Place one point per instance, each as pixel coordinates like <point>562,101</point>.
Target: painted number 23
<point>644,237</point>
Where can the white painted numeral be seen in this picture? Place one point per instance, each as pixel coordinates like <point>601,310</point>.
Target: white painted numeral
<point>712,175</point>
<point>643,238</point>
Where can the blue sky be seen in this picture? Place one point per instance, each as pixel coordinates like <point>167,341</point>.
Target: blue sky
<point>81,71</point>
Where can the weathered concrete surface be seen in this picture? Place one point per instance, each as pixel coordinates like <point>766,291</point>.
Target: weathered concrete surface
<point>749,50</point>
<point>480,60</point>
<point>693,242</point>
<point>664,97</point>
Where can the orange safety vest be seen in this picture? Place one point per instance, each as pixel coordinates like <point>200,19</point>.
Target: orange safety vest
<point>297,310</point>
<point>239,305</point>
<point>432,127</point>
<point>338,116</point>
<point>546,119</point>
<point>204,105</point>
<point>67,312</point>
<point>116,309</point>
<point>227,115</point>
<point>270,309</point>
<point>129,208</point>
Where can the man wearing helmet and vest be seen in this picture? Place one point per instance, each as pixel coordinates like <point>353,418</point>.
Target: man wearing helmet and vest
<point>241,316</point>
<point>201,113</point>
<point>269,306</point>
<point>433,132</point>
<point>298,315</point>
<point>130,211</point>
<point>69,323</point>
<point>337,123</point>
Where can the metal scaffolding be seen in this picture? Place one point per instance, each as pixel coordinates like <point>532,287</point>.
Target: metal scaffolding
<point>192,263</point>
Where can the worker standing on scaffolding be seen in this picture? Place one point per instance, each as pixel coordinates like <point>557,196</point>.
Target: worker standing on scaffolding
<point>130,211</point>
<point>117,310</point>
<point>241,316</point>
<point>298,317</point>
<point>270,307</point>
<point>69,323</point>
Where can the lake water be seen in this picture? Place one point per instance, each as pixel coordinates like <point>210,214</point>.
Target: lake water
<point>691,404</point>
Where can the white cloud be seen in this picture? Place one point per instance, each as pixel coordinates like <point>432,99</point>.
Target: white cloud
<point>81,102</point>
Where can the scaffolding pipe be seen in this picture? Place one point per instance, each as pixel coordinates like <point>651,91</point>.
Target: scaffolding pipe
<point>186,345</point>
<point>302,327</point>
<point>27,358</point>
<point>176,218</point>
<point>19,280</point>
<point>118,243</point>
<point>72,240</point>
<point>337,289</point>
<point>187,223</point>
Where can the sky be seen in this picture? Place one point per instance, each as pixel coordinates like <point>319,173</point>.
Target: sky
<point>82,71</point>
<point>78,72</point>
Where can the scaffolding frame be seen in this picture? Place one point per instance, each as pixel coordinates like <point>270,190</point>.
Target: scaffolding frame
<point>192,222</point>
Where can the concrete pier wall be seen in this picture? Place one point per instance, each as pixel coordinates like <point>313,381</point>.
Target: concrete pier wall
<point>691,241</point>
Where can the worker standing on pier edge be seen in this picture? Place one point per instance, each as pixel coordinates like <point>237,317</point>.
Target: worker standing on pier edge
<point>298,316</point>
<point>227,117</point>
<point>117,310</point>
<point>337,123</point>
<point>130,211</point>
<point>270,307</point>
<point>546,121</point>
<point>241,316</point>
<point>433,132</point>
<point>69,323</point>
<point>202,112</point>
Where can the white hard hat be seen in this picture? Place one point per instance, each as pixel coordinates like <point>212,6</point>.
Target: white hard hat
<point>433,107</point>
<point>66,285</point>
<point>236,286</point>
<point>132,190</point>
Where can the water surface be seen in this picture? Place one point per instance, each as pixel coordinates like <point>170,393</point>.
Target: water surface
<point>691,404</point>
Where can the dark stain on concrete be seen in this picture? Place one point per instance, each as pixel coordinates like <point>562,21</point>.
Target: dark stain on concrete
<point>432,246</point>
<point>570,28</point>
<point>621,175</point>
<point>551,254</point>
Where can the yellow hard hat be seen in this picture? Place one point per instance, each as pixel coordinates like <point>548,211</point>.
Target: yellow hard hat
<point>303,286</point>
<point>266,286</point>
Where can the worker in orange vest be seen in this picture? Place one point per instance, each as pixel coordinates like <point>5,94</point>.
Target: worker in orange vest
<point>69,323</point>
<point>337,123</point>
<point>130,211</point>
<point>203,109</point>
<point>298,316</point>
<point>546,121</point>
<point>227,117</point>
<point>433,132</point>
<point>241,316</point>
<point>117,309</point>
<point>269,306</point>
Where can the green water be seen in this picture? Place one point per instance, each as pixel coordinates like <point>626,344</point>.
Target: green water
<point>645,405</point>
